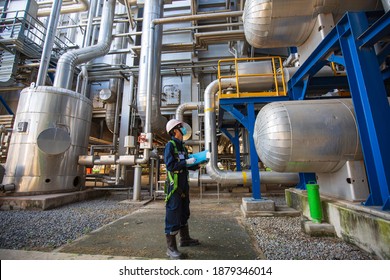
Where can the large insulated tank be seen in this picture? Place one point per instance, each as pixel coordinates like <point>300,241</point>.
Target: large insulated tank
<point>281,23</point>
<point>51,130</point>
<point>307,136</point>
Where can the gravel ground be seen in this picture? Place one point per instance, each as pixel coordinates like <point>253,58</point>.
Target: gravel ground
<point>277,237</point>
<point>281,238</point>
<point>47,230</point>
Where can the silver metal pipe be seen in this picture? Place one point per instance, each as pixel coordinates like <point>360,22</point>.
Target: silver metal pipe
<point>186,107</point>
<point>81,6</point>
<point>71,32</point>
<point>69,60</point>
<point>117,174</point>
<point>110,116</point>
<point>148,99</point>
<point>127,99</point>
<point>194,142</point>
<point>49,42</point>
<point>150,62</point>
<point>137,183</point>
<point>118,104</point>
<point>203,27</point>
<point>112,112</point>
<point>207,16</point>
<point>231,177</point>
<point>88,32</point>
<point>151,176</point>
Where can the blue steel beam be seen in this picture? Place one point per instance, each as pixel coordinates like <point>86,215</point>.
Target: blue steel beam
<point>328,83</point>
<point>255,100</point>
<point>383,53</point>
<point>248,121</point>
<point>9,110</point>
<point>236,114</point>
<point>337,59</point>
<point>306,178</point>
<point>236,144</point>
<point>375,32</point>
<point>386,74</point>
<point>370,102</point>
<point>368,93</point>
<point>298,83</point>
<point>253,153</point>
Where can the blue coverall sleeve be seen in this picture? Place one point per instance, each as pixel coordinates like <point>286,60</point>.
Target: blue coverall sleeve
<point>170,161</point>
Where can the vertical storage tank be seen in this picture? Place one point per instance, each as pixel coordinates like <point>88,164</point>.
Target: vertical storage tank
<point>51,130</point>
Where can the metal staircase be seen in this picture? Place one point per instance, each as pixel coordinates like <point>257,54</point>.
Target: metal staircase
<point>7,67</point>
<point>6,124</point>
<point>25,34</point>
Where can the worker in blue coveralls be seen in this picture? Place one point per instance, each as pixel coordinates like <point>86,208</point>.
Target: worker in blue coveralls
<point>177,194</point>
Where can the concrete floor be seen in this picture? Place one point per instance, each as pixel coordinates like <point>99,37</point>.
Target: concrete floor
<point>139,235</point>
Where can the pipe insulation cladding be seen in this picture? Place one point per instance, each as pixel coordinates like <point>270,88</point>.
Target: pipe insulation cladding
<point>307,136</point>
<point>280,23</point>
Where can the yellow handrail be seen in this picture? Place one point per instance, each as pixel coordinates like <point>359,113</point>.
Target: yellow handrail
<point>278,80</point>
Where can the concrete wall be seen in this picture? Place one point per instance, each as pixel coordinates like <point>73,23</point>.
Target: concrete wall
<point>368,228</point>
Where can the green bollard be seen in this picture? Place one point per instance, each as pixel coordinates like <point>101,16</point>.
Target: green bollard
<point>313,196</point>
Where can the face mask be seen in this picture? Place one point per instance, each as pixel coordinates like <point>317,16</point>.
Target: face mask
<point>183,130</point>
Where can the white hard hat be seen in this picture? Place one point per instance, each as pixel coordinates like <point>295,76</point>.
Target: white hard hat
<point>171,124</point>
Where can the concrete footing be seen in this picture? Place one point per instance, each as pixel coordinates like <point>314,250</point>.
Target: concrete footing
<point>251,207</point>
<point>366,227</point>
<point>47,201</point>
<point>318,229</point>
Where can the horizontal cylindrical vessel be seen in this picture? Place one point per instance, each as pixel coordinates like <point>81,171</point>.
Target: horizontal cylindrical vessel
<point>307,136</point>
<point>44,162</point>
<point>280,23</point>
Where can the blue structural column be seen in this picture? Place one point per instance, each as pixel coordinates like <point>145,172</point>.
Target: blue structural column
<point>256,194</point>
<point>236,144</point>
<point>370,103</point>
<point>9,110</point>
<point>248,122</point>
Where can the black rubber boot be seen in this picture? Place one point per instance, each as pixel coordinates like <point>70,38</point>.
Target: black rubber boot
<point>172,251</point>
<point>185,239</point>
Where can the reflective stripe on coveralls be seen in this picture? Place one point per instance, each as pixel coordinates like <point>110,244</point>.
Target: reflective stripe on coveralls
<point>175,176</point>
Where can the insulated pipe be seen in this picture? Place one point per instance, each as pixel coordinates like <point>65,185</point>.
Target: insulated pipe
<point>68,61</point>
<point>197,17</point>
<point>112,102</point>
<point>83,5</point>
<point>88,32</point>
<point>150,61</point>
<point>149,70</point>
<point>49,42</point>
<point>186,107</point>
<point>147,101</point>
<point>137,182</point>
<point>230,177</point>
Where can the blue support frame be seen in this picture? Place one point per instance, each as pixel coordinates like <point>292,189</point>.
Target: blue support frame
<point>9,110</point>
<point>370,101</point>
<point>306,178</point>
<point>248,121</point>
<point>355,38</point>
<point>246,117</point>
<point>236,143</point>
